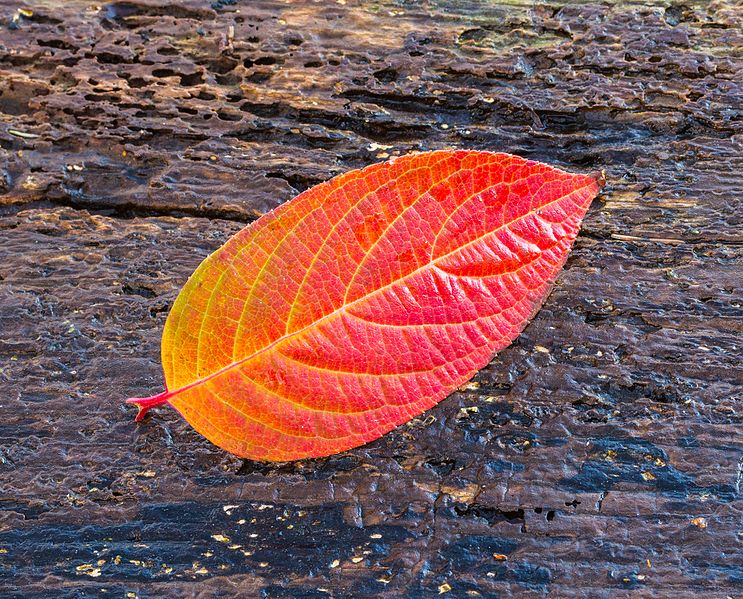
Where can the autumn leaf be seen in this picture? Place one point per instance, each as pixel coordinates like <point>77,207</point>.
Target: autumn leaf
<point>366,300</point>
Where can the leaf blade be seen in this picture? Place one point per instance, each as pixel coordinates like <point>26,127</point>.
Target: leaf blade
<point>367,299</point>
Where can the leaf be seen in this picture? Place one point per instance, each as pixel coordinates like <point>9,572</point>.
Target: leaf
<point>366,300</point>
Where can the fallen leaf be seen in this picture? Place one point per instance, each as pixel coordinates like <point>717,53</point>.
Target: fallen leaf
<point>366,300</point>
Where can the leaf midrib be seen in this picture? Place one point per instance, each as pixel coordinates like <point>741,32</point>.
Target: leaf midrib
<point>345,307</point>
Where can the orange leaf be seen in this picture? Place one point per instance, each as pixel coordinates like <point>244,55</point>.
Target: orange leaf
<point>366,300</point>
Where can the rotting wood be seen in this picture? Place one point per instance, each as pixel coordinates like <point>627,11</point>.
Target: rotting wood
<point>600,456</point>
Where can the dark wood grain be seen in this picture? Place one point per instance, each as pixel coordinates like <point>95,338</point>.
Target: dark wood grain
<point>599,456</point>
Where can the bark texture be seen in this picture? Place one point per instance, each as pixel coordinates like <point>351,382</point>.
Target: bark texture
<point>599,456</point>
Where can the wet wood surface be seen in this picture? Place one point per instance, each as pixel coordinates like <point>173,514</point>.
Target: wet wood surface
<point>599,456</point>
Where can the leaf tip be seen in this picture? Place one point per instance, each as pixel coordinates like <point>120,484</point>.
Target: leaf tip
<point>599,177</point>
<point>144,404</point>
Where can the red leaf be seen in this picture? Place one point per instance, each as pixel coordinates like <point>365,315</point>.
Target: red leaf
<point>366,300</point>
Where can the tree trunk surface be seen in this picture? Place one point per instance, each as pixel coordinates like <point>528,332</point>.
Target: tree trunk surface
<point>600,455</point>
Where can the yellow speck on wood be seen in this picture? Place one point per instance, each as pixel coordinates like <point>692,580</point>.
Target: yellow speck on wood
<point>464,412</point>
<point>376,535</point>
<point>356,559</point>
<point>500,556</point>
<point>466,494</point>
<point>648,476</point>
<point>221,538</point>
<point>22,134</point>
<point>700,522</point>
<point>444,588</point>
<point>30,183</point>
<point>541,349</point>
<point>335,563</point>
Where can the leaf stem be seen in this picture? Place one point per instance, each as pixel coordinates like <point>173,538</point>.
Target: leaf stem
<point>145,403</point>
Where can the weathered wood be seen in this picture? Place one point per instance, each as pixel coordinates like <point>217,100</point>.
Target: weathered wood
<point>600,456</point>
